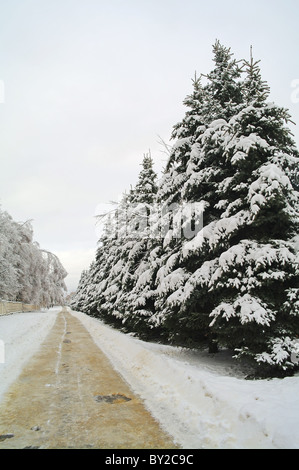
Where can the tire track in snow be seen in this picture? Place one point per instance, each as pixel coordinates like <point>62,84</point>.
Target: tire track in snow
<point>57,401</point>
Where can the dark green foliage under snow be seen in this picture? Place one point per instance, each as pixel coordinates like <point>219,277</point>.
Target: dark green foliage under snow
<point>208,256</point>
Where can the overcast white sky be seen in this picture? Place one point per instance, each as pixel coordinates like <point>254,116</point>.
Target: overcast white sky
<point>91,84</point>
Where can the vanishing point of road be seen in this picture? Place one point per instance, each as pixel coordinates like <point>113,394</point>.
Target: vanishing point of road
<point>69,396</point>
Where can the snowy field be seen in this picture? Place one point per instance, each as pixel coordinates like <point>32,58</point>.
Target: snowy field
<point>22,334</point>
<point>203,402</point>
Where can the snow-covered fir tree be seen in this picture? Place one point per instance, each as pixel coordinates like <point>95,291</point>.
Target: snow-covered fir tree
<point>107,289</point>
<point>218,265</point>
<point>242,267</point>
<point>194,186</point>
<point>79,300</point>
<point>258,273</point>
<point>141,211</point>
<point>146,187</point>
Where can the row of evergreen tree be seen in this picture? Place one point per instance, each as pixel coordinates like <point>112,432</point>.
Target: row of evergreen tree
<point>234,284</point>
<point>27,273</point>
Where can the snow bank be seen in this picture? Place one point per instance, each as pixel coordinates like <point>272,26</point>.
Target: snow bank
<point>203,402</point>
<point>22,334</point>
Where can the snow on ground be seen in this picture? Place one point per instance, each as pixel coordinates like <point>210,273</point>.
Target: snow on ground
<point>203,401</point>
<point>22,334</point>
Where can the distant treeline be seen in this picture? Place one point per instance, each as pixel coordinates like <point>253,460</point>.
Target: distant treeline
<point>27,273</point>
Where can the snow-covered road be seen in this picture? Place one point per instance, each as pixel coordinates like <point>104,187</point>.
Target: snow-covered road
<point>203,402</point>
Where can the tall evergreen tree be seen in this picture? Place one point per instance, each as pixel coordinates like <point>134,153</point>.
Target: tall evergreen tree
<point>219,261</point>
<point>146,187</point>
<point>259,272</point>
<point>224,88</point>
<point>108,288</point>
<point>135,251</point>
<point>203,169</point>
<point>78,301</point>
<point>247,265</point>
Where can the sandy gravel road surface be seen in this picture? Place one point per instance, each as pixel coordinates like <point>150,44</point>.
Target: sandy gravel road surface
<point>69,396</point>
